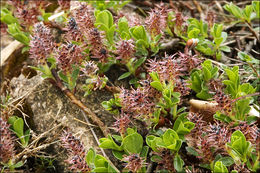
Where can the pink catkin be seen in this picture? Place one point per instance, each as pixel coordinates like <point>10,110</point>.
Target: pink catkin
<point>7,150</point>
<point>76,152</point>
<point>41,44</point>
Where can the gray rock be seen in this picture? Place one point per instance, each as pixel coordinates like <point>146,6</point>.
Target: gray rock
<point>51,107</point>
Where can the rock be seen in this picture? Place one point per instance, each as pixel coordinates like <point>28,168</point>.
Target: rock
<point>51,107</point>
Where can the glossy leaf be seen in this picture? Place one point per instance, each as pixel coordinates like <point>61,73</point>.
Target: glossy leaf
<point>178,163</point>
<point>220,167</point>
<point>125,75</point>
<point>133,143</point>
<point>157,85</point>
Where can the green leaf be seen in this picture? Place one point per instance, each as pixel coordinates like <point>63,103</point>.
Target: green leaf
<point>153,141</point>
<point>178,163</point>
<point>247,12</point>
<point>222,117</point>
<point>242,109</point>
<point>118,154</point>
<point>225,48</point>
<point>239,145</point>
<point>139,62</point>
<point>25,49</point>
<point>100,169</point>
<point>7,17</point>
<point>18,127</point>
<point>46,16</point>
<point>217,30</point>
<point>105,20</point>
<point>157,85</point>
<point>133,143</point>
<point>117,138</point>
<point>90,157</point>
<point>18,164</point>
<point>182,127</point>
<point>20,36</point>
<point>256,7</point>
<point>109,143</point>
<point>144,152</point>
<point>100,161</point>
<point>142,44</point>
<point>196,82</point>
<point>192,151</point>
<point>123,28</point>
<point>26,137</point>
<point>227,161</point>
<point>207,166</point>
<point>139,33</point>
<point>156,158</point>
<point>231,75</point>
<point>251,119</point>
<point>63,77</point>
<point>206,73</point>
<point>244,57</point>
<point>194,33</point>
<point>110,34</point>
<point>204,94</point>
<point>154,76</point>
<point>220,167</point>
<point>125,75</point>
<point>125,35</point>
<point>235,10</point>
<point>74,77</point>
<point>130,131</point>
<point>218,40</point>
<point>111,169</point>
<point>157,38</point>
<point>12,119</point>
<point>214,72</point>
<point>171,140</point>
<point>53,62</point>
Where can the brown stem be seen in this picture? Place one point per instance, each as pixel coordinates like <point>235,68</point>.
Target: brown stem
<point>248,95</point>
<point>251,65</point>
<point>253,32</point>
<point>77,102</point>
<point>113,89</point>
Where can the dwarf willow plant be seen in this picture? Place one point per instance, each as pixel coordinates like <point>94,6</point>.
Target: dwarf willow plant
<point>14,28</point>
<point>98,163</point>
<point>246,15</point>
<point>242,151</point>
<point>199,80</point>
<point>249,13</point>
<point>195,29</point>
<point>104,5</point>
<point>17,125</point>
<point>125,146</point>
<point>168,140</point>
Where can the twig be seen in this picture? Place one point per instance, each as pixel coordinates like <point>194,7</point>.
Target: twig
<point>251,65</point>
<point>198,8</point>
<point>77,102</point>
<point>113,89</point>
<point>31,145</point>
<point>233,41</point>
<point>248,95</point>
<point>253,32</point>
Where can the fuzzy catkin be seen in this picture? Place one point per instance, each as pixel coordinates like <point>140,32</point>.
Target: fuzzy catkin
<point>41,44</point>
<point>7,150</point>
<point>76,152</point>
